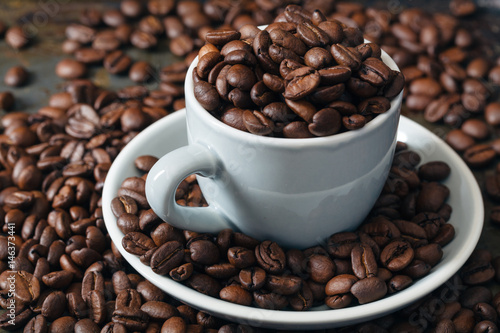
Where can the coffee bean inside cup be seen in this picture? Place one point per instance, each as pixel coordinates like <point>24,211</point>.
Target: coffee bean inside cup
<point>237,77</point>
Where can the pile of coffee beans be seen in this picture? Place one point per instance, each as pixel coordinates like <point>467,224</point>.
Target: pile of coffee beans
<point>452,72</point>
<point>102,38</point>
<point>301,77</point>
<point>53,163</point>
<point>400,241</point>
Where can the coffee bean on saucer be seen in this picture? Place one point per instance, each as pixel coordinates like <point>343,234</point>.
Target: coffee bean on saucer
<point>434,171</point>
<point>369,289</point>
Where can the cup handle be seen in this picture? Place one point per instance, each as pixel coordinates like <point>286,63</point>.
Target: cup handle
<point>166,175</point>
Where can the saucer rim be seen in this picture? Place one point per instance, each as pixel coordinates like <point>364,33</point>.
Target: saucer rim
<point>293,319</point>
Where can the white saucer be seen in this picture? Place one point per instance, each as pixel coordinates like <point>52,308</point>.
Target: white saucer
<point>467,218</point>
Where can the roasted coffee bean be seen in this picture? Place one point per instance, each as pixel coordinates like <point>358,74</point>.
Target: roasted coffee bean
<point>301,83</point>
<point>117,62</point>
<point>434,171</point>
<point>167,257</point>
<point>149,292</point>
<point>174,324</point>
<point>70,69</point>
<point>320,268</point>
<point>374,105</point>
<point>397,255</point>
<point>363,261</point>
<point>137,243</point>
<point>431,253</point>
<point>236,294</point>
<point>346,56</point>
<point>63,324</point>
<point>128,223</point>
<point>181,45</point>
<point>54,305</point>
<point>241,257</point>
<point>484,311</point>
<point>270,257</point>
<point>417,268</point>
<point>207,95</point>
<point>369,289</point>
<point>143,40</point>
<point>207,62</point>
<point>261,95</point>
<point>76,305</point>
<point>458,140</point>
<point>475,128</point>
<point>267,300</point>
<point>243,56</point>
<point>221,37</point>
<point>128,298</point>
<point>241,77</point>
<point>477,272</point>
<point>145,162</point>
<point>204,252</point>
<point>479,155</point>
<point>252,278</point>
<point>184,271</point>
<point>353,122</point>
<point>17,37</point>
<point>131,318</point>
<point>312,35</point>
<point>288,41</point>
<point>16,76</point>
<point>255,122</point>
<point>141,72</point>
<point>159,310</point>
<point>204,284</point>
<point>274,82</point>
<point>302,108</point>
<point>27,287</point>
<point>431,197</point>
<point>476,294</point>
<point>36,324</point>
<point>6,100</point>
<point>283,285</point>
<point>492,113</point>
<point>375,72</point>
<point>341,244</point>
<point>303,300</point>
<point>58,279</point>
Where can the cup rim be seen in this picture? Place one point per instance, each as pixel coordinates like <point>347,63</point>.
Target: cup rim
<point>290,143</point>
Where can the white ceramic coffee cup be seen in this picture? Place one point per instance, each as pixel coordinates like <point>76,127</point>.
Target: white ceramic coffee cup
<point>296,192</point>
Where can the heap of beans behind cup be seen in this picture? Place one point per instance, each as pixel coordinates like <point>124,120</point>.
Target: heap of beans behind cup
<point>301,77</point>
